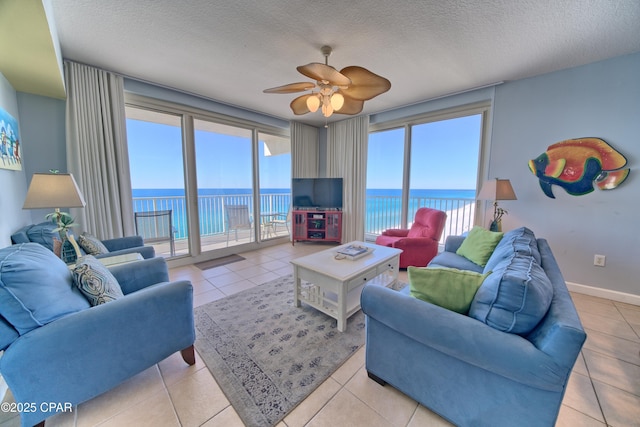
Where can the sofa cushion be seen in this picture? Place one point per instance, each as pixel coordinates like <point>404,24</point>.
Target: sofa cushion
<point>451,260</point>
<point>514,298</point>
<point>479,245</point>
<point>43,233</point>
<point>519,240</point>
<point>449,288</point>
<point>95,281</point>
<point>92,245</point>
<point>35,287</point>
<point>8,334</point>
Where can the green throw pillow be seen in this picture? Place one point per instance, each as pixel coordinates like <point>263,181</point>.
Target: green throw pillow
<point>478,246</point>
<point>449,288</point>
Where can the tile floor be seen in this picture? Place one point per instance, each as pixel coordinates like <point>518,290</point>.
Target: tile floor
<point>604,388</point>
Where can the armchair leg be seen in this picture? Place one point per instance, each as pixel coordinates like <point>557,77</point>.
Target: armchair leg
<point>188,355</point>
<point>377,379</point>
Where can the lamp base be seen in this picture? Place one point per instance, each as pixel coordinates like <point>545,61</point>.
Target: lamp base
<point>67,252</point>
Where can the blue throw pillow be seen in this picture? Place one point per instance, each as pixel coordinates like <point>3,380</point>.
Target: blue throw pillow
<point>520,240</point>
<point>514,298</point>
<point>95,281</point>
<point>43,233</point>
<point>35,287</point>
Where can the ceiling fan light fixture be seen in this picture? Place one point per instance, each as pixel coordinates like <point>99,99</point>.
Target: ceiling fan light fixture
<point>313,102</point>
<point>341,91</point>
<point>327,109</point>
<point>337,101</point>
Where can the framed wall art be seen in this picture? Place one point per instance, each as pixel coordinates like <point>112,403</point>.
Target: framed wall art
<point>9,142</point>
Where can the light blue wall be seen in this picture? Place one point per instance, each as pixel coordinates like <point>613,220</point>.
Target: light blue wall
<point>43,130</point>
<point>42,133</point>
<point>597,100</point>
<point>14,183</point>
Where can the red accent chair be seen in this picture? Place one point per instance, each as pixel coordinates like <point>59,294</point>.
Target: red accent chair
<point>420,243</point>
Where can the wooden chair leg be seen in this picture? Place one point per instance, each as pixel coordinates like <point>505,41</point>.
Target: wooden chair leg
<point>188,355</point>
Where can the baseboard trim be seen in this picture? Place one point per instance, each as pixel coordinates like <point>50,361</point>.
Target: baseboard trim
<point>604,293</point>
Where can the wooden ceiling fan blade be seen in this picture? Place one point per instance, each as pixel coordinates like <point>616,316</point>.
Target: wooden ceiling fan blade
<point>365,84</point>
<point>299,105</point>
<point>321,72</point>
<point>351,106</point>
<point>291,88</point>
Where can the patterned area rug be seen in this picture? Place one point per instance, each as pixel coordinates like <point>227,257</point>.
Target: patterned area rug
<point>268,355</point>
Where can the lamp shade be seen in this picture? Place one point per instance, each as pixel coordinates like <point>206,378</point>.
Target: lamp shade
<point>497,189</point>
<point>52,191</point>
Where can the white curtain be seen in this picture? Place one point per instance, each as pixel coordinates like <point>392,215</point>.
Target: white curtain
<point>304,151</point>
<point>97,149</point>
<point>347,158</point>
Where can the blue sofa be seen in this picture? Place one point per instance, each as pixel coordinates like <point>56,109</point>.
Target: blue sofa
<point>43,233</point>
<point>58,349</point>
<point>500,365</point>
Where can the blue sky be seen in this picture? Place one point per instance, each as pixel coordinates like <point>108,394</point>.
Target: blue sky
<point>444,156</point>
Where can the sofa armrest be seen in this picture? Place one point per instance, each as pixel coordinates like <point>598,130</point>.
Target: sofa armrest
<point>146,252</point>
<point>123,243</point>
<point>463,338</point>
<point>125,336</point>
<point>396,232</point>
<point>137,275</point>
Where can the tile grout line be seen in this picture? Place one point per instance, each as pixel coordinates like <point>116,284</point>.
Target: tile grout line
<point>593,387</point>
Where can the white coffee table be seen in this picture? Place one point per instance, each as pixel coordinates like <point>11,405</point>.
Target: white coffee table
<point>333,286</point>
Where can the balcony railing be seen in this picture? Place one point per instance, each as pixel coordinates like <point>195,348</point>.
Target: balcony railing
<point>382,212</point>
<point>210,209</point>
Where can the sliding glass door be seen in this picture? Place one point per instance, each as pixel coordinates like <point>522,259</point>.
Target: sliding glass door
<point>385,180</point>
<point>274,164</point>
<point>429,162</point>
<point>225,184</point>
<point>157,177</point>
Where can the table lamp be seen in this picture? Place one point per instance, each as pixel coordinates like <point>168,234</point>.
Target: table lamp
<point>497,189</point>
<point>55,191</point>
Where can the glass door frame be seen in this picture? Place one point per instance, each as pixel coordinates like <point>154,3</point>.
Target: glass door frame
<point>190,173</point>
<point>482,108</point>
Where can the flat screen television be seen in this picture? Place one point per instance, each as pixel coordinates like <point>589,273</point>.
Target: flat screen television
<point>318,193</point>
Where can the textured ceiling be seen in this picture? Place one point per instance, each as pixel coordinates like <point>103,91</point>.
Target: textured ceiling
<point>230,51</point>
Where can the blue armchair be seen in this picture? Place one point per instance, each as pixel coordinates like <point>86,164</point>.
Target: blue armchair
<point>58,349</point>
<point>43,233</point>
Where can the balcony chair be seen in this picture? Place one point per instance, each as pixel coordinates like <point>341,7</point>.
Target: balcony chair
<point>156,227</point>
<point>238,218</point>
<point>419,243</point>
<point>280,220</point>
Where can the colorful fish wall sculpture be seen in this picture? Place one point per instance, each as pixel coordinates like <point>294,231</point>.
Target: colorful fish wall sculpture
<point>577,164</point>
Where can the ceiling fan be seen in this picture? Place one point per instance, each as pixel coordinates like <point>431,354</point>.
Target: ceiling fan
<point>342,92</point>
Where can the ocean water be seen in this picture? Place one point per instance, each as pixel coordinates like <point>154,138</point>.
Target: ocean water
<point>178,192</point>
<point>383,205</point>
